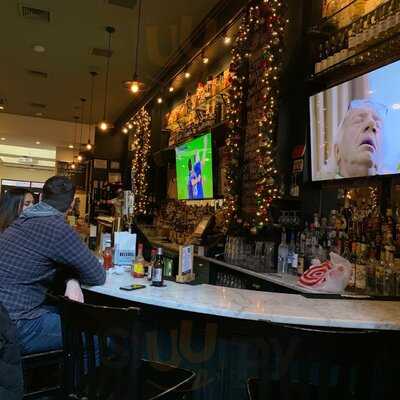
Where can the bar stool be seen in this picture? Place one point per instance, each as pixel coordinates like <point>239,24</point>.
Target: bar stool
<point>305,363</point>
<point>49,362</point>
<point>103,357</point>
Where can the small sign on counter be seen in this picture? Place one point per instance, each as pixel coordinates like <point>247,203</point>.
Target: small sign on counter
<point>185,272</point>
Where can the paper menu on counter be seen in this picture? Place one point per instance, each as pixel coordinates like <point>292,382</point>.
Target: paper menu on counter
<point>125,248</point>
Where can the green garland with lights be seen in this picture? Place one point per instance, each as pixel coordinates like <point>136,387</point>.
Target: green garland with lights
<point>267,15</point>
<point>140,146</point>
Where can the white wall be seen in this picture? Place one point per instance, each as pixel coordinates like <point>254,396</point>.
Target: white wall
<point>25,174</point>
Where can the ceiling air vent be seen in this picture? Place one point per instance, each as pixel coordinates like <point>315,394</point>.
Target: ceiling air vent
<point>38,74</point>
<point>34,14</point>
<point>100,52</point>
<point>123,3</point>
<point>38,105</point>
<point>26,160</point>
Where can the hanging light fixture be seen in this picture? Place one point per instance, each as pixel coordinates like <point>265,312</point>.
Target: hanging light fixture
<point>89,145</point>
<point>134,85</point>
<point>104,125</point>
<point>80,156</point>
<point>73,165</point>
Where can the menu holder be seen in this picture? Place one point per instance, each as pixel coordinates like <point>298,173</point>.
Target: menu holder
<point>185,270</point>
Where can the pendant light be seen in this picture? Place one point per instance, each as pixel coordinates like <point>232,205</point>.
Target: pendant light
<point>93,74</point>
<point>73,165</point>
<point>104,125</point>
<point>80,156</point>
<point>134,85</point>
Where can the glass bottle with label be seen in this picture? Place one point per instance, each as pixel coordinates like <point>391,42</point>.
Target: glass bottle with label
<point>151,264</point>
<point>282,254</point>
<point>361,268</point>
<point>292,256</point>
<point>158,269</point>
<point>138,265</point>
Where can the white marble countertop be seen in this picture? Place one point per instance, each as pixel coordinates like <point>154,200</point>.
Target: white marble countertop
<point>254,305</point>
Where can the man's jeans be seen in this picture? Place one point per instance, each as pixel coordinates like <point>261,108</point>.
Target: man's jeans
<point>40,334</point>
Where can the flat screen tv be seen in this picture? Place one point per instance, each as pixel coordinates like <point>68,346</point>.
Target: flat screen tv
<point>194,169</point>
<point>355,127</point>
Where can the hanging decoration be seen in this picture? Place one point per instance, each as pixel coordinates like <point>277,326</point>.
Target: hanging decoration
<point>267,186</point>
<point>267,15</point>
<point>140,146</point>
<point>236,100</point>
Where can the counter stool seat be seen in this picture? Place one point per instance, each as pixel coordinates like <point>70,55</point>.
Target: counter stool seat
<point>34,365</point>
<point>103,349</point>
<point>306,363</point>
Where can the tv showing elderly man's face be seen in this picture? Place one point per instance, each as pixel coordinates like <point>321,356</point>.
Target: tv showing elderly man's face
<point>357,152</point>
<point>355,127</point>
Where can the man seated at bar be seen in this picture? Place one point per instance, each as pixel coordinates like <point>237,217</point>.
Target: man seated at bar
<point>32,250</point>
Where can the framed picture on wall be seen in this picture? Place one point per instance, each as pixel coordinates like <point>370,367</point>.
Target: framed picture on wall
<point>100,164</point>
<point>115,165</point>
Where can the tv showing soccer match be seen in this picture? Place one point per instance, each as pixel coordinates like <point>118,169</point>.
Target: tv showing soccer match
<point>355,127</point>
<point>194,169</point>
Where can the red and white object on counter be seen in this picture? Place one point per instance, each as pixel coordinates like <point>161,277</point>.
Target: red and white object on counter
<point>330,276</point>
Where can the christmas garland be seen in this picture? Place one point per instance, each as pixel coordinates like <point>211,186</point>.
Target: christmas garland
<point>268,16</point>
<point>140,146</point>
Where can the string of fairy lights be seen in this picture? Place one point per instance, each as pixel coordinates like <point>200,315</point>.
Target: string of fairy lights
<point>267,186</point>
<point>269,16</point>
<point>139,127</point>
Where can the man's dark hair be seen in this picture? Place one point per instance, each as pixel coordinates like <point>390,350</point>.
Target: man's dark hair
<point>58,192</point>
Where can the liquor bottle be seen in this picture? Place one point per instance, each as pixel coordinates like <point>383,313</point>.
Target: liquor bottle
<point>292,257</point>
<point>282,254</point>
<point>151,264</point>
<point>371,266</point>
<point>353,259</point>
<point>380,275</point>
<point>301,253</point>
<point>158,269</point>
<point>138,265</point>
<point>361,268</point>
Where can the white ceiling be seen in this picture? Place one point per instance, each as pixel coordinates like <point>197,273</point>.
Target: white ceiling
<point>20,130</point>
<point>77,26</point>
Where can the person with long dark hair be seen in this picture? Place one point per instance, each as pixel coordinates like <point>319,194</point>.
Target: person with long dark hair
<point>11,206</point>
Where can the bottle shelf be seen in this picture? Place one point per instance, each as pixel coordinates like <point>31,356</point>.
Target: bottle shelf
<point>384,49</point>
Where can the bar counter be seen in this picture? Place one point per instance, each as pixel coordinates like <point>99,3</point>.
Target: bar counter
<point>252,305</point>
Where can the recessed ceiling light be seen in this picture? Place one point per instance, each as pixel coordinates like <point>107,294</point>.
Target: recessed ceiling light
<point>3,139</point>
<point>38,48</point>
<point>39,114</point>
<point>38,142</point>
<point>70,146</point>
<point>187,75</point>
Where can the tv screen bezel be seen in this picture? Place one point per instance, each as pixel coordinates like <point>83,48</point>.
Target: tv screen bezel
<point>321,87</point>
<point>213,163</point>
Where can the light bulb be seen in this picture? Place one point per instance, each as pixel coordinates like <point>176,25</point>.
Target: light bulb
<point>73,166</point>
<point>70,146</point>
<point>171,89</point>
<point>227,40</point>
<point>205,60</point>
<point>125,129</point>
<point>103,126</point>
<point>2,108</point>
<point>159,100</point>
<point>130,126</point>
<point>187,75</point>
<point>135,87</point>
<point>80,158</point>
<point>89,146</point>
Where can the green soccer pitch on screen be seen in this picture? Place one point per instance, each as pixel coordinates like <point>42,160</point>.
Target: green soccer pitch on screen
<point>194,169</point>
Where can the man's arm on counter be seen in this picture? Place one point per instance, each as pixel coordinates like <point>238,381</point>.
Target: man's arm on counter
<point>68,249</point>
